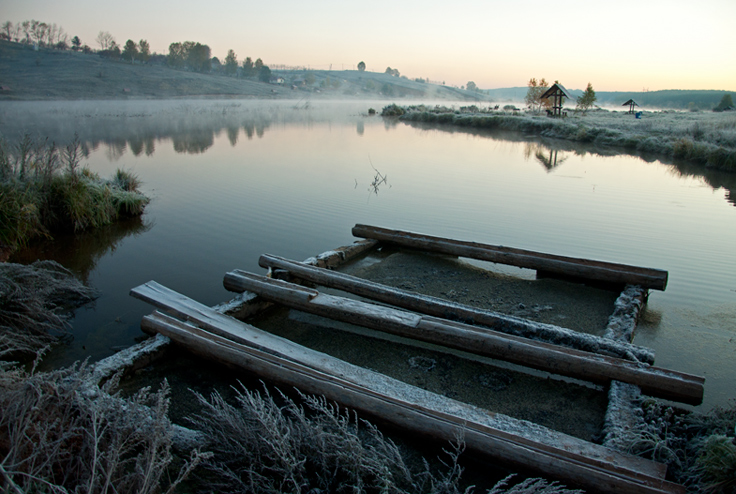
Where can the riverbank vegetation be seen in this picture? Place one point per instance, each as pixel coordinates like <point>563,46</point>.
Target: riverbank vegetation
<point>36,302</point>
<point>704,138</point>
<point>44,190</point>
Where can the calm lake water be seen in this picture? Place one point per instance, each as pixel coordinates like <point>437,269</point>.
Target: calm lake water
<point>231,180</point>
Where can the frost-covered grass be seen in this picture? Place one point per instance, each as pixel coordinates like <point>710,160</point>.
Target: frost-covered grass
<point>271,444</point>
<point>699,449</point>
<point>43,189</point>
<point>705,138</point>
<point>60,433</point>
<point>35,305</point>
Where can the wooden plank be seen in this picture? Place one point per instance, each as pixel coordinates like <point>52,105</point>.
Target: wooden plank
<point>512,441</point>
<point>449,310</point>
<point>564,266</point>
<point>662,383</point>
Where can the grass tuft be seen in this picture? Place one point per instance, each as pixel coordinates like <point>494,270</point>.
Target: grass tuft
<point>44,189</point>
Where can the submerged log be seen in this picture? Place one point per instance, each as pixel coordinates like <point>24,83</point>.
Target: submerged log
<point>565,266</point>
<point>510,441</point>
<point>569,362</point>
<point>449,310</point>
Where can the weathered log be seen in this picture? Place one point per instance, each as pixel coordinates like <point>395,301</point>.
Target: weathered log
<point>510,441</point>
<point>569,362</point>
<point>449,310</point>
<point>564,266</point>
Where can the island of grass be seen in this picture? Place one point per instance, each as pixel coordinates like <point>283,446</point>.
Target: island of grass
<point>44,190</point>
<point>703,138</point>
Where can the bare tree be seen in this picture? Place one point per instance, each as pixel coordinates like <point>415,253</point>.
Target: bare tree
<point>105,40</point>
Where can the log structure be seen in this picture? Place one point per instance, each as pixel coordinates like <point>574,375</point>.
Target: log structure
<point>608,272</point>
<point>457,312</point>
<point>658,382</point>
<point>513,442</point>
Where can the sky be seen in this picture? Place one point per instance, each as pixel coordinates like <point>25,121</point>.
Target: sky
<point>625,45</point>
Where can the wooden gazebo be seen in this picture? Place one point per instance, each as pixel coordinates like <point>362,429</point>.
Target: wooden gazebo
<point>631,103</point>
<point>556,92</point>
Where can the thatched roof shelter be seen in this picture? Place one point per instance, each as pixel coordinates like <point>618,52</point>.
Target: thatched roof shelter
<point>556,92</point>
<point>631,104</point>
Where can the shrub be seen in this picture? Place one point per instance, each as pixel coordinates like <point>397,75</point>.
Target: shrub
<point>392,110</point>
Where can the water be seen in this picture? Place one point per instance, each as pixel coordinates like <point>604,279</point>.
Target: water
<point>231,180</point>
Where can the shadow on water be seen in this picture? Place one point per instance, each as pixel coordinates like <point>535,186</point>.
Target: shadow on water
<point>82,251</point>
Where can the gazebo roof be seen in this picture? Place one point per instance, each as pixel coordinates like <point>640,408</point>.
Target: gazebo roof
<point>630,102</point>
<point>553,90</point>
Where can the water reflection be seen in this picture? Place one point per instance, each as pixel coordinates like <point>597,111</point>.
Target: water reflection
<point>82,252</point>
<point>549,161</point>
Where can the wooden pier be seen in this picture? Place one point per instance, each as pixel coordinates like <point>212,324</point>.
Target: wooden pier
<point>214,333</point>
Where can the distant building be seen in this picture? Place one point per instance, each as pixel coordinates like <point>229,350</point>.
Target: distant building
<point>631,104</point>
<point>276,79</point>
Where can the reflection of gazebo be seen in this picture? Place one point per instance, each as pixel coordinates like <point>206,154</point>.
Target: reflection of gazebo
<point>631,104</point>
<point>556,92</point>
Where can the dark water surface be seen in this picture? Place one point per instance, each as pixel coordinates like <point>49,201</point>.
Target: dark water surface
<point>231,180</point>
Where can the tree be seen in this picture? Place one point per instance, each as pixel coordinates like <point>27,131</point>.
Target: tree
<point>7,30</point>
<point>248,69</point>
<point>533,97</point>
<point>258,65</point>
<point>361,66</point>
<point>76,43</point>
<point>130,51</point>
<point>471,86</point>
<point>176,57</point>
<point>144,51</point>
<point>105,40</point>
<point>393,72</point>
<point>586,100</point>
<point>231,63</point>
<point>726,103</point>
<point>264,73</point>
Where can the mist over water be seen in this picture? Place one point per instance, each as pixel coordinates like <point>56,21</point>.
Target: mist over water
<point>233,179</point>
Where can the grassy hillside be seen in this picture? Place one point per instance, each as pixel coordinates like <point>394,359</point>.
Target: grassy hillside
<point>28,74</point>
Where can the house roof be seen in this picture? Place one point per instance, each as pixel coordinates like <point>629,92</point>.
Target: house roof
<point>556,87</point>
<point>630,102</point>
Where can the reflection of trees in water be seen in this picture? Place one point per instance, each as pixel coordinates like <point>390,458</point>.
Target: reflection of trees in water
<point>194,141</point>
<point>361,128</point>
<point>713,178</point>
<point>232,135</point>
<point>116,149</point>
<point>81,252</point>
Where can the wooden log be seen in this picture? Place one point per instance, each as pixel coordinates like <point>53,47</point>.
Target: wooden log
<point>449,310</point>
<point>569,362</point>
<point>565,266</point>
<point>511,441</point>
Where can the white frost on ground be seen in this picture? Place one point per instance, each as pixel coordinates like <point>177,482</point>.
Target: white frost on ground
<point>123,359</point>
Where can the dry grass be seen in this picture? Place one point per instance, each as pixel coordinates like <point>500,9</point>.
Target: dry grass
<point>35,305</point>
<point>59,433</point>
<point>271,444</point>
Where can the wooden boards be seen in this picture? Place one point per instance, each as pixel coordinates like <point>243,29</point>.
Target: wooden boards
<point>512,441</point>
<point>546,263</point>
<point>449,310</point>
<point>569,362</point>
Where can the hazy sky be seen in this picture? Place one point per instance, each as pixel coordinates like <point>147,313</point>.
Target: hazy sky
<point>617,46</point>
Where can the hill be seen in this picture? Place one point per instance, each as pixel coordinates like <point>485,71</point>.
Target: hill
<point>28,74</point>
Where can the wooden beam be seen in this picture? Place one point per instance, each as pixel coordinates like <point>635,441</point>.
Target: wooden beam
<point>449,310</point>
<point>569,362</point>
<point>508,440</point>
<point>566,266</point>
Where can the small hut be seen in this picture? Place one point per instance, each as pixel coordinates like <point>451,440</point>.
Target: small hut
<point>556,92</point>
<point>631,104</point>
